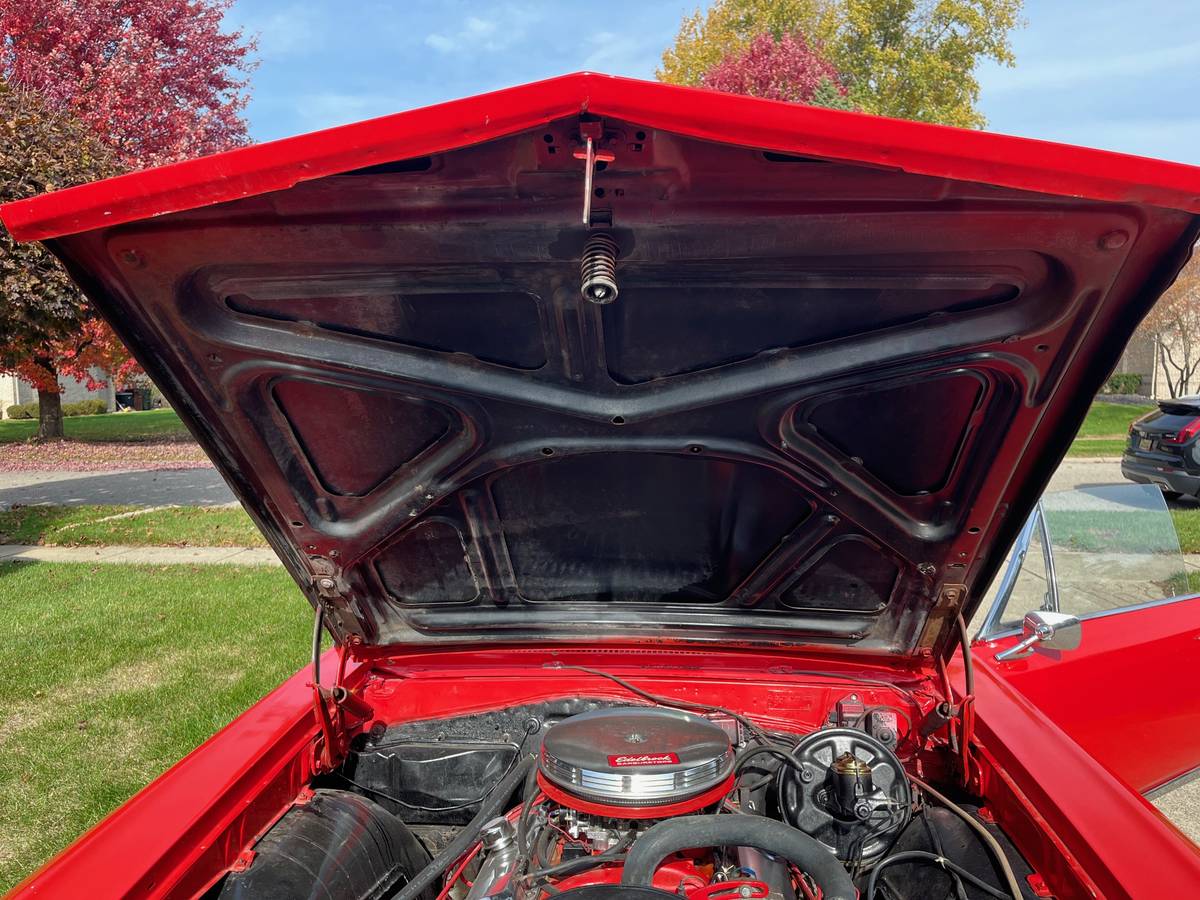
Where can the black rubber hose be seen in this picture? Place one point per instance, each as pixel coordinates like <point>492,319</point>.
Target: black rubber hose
<point>687,832</point>
<point>464,840</point>
<point>944,864</point>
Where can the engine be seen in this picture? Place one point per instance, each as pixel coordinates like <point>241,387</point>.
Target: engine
<point>596,801</point>
<point>653,798</point>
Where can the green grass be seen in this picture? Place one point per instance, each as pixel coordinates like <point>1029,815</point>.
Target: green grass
<point>1187,526</point>
<point>1134,532</point>
<point>151,425</point>
<point>80,526</point>
<point>112,673</point>
<point>1111,419</point>
<point>1097,447</point>
<point>1106,428</point>
<point>1108,531</point>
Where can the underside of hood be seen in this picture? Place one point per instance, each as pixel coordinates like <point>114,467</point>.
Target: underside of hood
<point>845,355</point>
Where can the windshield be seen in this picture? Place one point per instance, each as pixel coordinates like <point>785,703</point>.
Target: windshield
<point>1089,551</point>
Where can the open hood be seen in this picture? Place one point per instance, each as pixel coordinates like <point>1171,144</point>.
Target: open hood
<point>844,357</point>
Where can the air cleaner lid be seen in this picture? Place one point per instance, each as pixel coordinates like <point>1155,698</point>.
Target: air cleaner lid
<point>636,756</point>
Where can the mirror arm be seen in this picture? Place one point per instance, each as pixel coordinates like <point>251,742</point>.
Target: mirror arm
<point>1024,648</point>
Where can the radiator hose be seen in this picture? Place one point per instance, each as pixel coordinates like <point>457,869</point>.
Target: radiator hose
<point>688,832</point>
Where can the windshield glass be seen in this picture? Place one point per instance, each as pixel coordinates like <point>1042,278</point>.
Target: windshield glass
<point>1089,551</point>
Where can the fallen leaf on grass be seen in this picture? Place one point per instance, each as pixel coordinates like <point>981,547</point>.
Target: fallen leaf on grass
<point>81,456</point>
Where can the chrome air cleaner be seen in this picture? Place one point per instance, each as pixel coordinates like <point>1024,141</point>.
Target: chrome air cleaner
<point>636,762</point>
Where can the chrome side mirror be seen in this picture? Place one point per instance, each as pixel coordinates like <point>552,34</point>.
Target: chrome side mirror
<point>1052,630</point>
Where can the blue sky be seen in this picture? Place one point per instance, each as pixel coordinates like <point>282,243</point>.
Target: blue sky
<point>1102,73</point>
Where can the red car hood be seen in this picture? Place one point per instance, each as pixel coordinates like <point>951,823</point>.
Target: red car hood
<point>846,355</point>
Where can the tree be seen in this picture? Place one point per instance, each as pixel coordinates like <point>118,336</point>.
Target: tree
<point>153,81</point>
<point>1174,327</point>
<point>912,59</point>
<point>45,329</point>
<point>784,69</point>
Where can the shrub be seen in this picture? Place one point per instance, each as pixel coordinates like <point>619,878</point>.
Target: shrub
<point>1123,383</point>
<point>23,411</point>
<point>85,408</point>
<point>80,408</point>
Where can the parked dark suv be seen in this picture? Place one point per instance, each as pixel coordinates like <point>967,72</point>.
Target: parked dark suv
<point>1164,448</point>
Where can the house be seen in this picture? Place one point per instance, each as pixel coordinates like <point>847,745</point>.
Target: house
<point>13,391</point>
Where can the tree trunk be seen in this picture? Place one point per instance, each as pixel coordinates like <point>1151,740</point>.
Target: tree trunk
<point>50,417</point>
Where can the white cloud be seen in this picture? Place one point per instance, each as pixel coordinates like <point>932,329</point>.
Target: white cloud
<point>325,109</point>
<point>498,29</point>
<point>623,54</point>
<point>285,32</point>
<point>441,43</point>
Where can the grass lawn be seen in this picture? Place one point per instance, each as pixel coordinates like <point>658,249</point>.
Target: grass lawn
<point>1187,526</point>
<point>1111,419</point>
<point>151,425</point>
<point>115,672</point>
<point>1106,428</point>
<point>1096,447</point>
<point>89,526</point>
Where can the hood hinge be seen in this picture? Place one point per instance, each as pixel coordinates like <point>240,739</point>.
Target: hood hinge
<point>949,600</point>
<point>337,710</point>
<point>958,718</point>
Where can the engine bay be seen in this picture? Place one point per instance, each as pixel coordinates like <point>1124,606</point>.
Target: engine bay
<point>600,799</point>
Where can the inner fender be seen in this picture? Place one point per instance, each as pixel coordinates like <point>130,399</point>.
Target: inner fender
<point>338,844</point>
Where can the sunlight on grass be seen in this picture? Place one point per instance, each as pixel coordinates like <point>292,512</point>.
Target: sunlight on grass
<point>151,425</point>
<point>1112,419</point>
<point>115,672</point>
<point>90,526</point>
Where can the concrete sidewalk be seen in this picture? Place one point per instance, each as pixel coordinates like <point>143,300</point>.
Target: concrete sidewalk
<point>151,556</point>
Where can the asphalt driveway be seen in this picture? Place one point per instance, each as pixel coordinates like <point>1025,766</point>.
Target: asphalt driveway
<point>163,487</point>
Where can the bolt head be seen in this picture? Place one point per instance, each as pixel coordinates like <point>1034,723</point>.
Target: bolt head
<point>1114,240</point>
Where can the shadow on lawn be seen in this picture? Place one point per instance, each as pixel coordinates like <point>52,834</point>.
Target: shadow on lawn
<point>163,487</point>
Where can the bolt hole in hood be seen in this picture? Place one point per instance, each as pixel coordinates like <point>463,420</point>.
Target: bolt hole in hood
<point>846,355</point>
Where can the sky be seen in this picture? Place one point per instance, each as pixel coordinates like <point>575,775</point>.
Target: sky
<point>1101,73</point>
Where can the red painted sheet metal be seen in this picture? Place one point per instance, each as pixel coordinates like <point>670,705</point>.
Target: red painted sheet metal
<point>1125,845</point>
<point>1137,669</point>
<point>195,818</point>
<point>920,148</point>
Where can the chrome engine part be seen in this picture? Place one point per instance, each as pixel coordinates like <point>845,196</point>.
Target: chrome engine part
<point>624,762</point>
<point>598,269</point>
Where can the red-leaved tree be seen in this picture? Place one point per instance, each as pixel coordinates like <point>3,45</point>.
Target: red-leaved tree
<point>153,81</point>
<point>787,68</point>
